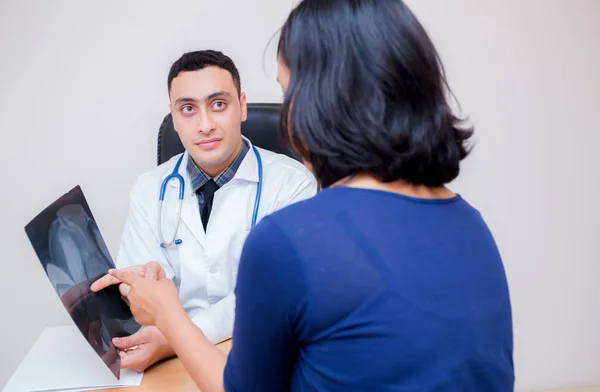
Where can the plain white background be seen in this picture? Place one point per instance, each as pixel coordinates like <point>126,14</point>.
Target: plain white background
<point>83,91</point>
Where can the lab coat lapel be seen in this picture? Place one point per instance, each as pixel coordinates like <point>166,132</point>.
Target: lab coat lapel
<point>190,211</point>
<point>248,169</point>
<point>190,217</point>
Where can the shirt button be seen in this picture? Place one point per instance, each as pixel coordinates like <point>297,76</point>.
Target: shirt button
<point>214,269</point>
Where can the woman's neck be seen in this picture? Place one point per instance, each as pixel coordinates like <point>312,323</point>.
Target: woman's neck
<point>365,181</point>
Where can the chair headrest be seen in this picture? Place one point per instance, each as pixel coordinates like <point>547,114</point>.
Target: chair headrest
<point>261,127</point>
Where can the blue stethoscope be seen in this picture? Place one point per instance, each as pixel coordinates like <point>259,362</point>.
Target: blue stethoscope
<point>175,174</point>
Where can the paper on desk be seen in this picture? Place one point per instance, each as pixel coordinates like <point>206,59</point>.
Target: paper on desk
<point>61,360</point>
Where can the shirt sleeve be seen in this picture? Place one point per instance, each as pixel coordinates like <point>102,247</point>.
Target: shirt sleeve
<point>270,294</point>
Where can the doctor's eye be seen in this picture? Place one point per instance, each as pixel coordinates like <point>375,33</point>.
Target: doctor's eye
<point>219,105</point>
<point>187,109</point>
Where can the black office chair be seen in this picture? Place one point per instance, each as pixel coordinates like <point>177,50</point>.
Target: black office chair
<point>261,127</point>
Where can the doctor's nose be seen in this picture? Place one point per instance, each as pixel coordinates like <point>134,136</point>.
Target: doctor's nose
<point>205,123</point>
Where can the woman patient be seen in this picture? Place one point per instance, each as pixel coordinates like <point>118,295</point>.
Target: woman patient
<point>386,279</point>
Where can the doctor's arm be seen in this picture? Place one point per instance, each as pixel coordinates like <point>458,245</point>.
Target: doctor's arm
<point>139,242</point>
<point>139,246</point>
<point>271,302</point>
<point>300,187</point>
<point>271,298</point>
<point>216,322</point>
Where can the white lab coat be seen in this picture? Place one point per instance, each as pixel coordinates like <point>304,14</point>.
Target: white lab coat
<point>204,267</point>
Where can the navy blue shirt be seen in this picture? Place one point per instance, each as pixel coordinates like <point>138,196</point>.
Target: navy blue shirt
<point>364,290</point>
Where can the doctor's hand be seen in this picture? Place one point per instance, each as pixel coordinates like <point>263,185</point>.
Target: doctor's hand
<point>151,301</point>
<point>143,349</point>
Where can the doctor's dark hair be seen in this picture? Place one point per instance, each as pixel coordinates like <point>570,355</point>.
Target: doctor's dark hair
<point>367,94</point>
<point>194,61</point>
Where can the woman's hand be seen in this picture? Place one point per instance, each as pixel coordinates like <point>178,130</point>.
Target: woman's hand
<point>154,300</point>
<point>151,297</point>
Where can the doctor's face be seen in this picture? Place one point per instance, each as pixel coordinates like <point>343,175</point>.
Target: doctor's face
<point>207,114</point>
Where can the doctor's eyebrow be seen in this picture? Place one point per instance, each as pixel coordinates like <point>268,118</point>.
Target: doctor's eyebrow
<point>214,95</point>
<point>218,94</point>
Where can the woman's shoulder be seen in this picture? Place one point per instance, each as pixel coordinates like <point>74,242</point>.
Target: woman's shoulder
<point>288,225</point>
<point>324,211</point>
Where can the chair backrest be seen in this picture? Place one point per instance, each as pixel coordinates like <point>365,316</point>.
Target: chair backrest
<point>261,127</point>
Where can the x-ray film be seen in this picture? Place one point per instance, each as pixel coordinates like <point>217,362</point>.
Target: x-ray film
<point>73,254</point>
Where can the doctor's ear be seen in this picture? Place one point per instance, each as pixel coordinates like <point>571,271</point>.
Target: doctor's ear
<point>243,106</point>
<point>172,117</point>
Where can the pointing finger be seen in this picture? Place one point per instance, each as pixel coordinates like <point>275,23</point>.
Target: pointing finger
<point>124,276</point>
<point>109,280</point>
<point>104,282</point>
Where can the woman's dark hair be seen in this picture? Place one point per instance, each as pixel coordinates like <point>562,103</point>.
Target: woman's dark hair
<point>367,94</point>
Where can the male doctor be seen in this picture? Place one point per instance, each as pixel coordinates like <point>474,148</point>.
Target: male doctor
<point>220,172</point>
